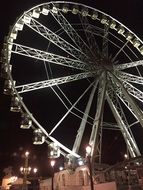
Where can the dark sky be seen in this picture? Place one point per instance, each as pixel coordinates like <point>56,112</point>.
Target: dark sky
<point>14,141</point>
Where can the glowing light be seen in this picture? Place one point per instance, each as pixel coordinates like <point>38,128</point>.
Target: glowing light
<point>126,156</point>
<point>94,16</point>
<point>84,169</point>
<point>26,153</point>
<point>75,10</point>
<point>121,30</point>
<point>55,9</point>
<point>45,10</point>
<point>80,162</point>
<point>13,179</point>
<point>52,163</point>
<point>112,24</point>
<point>36,13</point>
<point>137,163</point>
<point>21,169</point>
<point>136,43</point>
<point>35,170</point>
<point>88,150</point>
<point>61,168</point>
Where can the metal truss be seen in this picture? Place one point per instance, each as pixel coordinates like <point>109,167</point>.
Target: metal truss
<point>122,122</point>
<point>129,77</point>
<point>96,136</point>
<point>133,91</point>
<point>125,101</point>
<point>110,126</point>
<point>71,32</point>
<point>128,65</point>
<point>52,82</point>
<point>90,37</point>
<point>69,110</point>
<point>105,41</point>
<point>49,57</point>
<point>131,101</point>
<point>54,38</point>
<point>83,123</point>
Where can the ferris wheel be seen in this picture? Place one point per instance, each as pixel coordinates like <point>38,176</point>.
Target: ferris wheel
<point>67,66</point>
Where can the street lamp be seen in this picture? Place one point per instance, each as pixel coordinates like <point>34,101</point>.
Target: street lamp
<point>35,170</point>
<point>61,168</point>
<point>88,156</point>
<point>52,162</point>
<point>35,179</point>
<point>125,156</point>
<point>25,170</point>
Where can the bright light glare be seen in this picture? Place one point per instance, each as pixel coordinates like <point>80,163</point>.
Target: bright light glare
<point>61,168</point>
<point>26,153</point>
<point>80,162</point>
<point>35,170</point>
<point>126,156</point>
<point>13,179</point>
<point>88,149</point>
<point>52,163</point>
<point>21,169</point>
<point>83,169</point>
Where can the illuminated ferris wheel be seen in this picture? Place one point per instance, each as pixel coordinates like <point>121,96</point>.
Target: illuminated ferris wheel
<point>74,71</point>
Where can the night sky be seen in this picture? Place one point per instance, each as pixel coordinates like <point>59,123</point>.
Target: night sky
<point>14,141</point>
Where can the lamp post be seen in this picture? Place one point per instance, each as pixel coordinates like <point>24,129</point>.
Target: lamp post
<point>52,162</point>
<point>25,171</point>
<point>126,156</point>
<point>88,156</point>
<point>34,183</point>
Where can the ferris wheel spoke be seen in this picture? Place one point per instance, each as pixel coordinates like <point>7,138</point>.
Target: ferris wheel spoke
<point>105,41</point>
<point>125,101</point>
<point>122,120</point>
<point>132,103</point>
<point>96,129</point>
<point>49,57</point>
<point>122,97</point>
<point>110,126</point>
<point>93,46</point>
<point>55,39</point>
<point>100,32</point>
<point>129,77</point>
<point>120,50</point>
<point>83,123</point>
<point>93,31</point>
<point>67,113</point>
<point>122,123</point>
<point>52,82</point>
<point>67,105</point>
<point>71,32</point>
<point>133,91</point>
<point>128,65</point>
<point>66,102</point>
